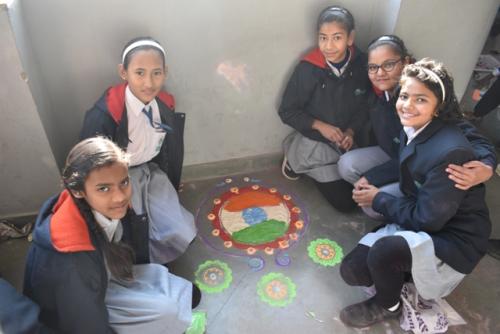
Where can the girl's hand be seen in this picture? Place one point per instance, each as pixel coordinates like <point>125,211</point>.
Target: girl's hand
<point>469,174</point>
<point>330,132</point>
<point>348,140</point>
<point>365,196</point>
<point>361,183</point>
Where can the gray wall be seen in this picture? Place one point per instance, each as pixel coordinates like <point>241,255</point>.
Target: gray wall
<point>452,31</point>
<point>228,61</point>
<point>28,172</point>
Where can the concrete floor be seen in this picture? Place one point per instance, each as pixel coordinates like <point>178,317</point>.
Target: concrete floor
<point>321,293</point>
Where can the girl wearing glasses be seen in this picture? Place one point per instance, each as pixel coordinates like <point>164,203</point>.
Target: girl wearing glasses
<point>435,232</point>
<point>325,101</point>
<point>378,165</point>
<point>139,117</point>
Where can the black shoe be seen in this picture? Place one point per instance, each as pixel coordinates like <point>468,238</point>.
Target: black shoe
<point>494,248</point>
<point>367,313</point>
<point>287,171</point>
<point>196,299</point>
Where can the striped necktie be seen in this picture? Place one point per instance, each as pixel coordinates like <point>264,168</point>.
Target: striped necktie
<point>156,125</point>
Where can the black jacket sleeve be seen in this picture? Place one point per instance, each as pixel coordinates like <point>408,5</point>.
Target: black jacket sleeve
<point>97,122</point>
<point>18,314</point>
<point>297,93</point>
<point>436,202</point>
<point>489,101</point>
<point>383,174</point>
<point>483,148</point>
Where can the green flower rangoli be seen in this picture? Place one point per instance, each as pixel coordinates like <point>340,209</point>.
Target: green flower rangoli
<point>276,289</point>
<point>213,276</point>
<point>325,252</point>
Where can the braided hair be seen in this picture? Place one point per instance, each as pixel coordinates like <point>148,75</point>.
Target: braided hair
<point>87,156</point>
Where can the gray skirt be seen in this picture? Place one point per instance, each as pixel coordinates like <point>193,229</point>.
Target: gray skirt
<point>171,226</point>
<point>432,277</point>
<point>316,159</point>
<point>155,302</point>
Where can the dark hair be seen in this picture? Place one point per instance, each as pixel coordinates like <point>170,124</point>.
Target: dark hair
<point>394,42</point>
<point>87,156</point>
<point>448,109</point>
<point>131,53</point>
<point>336,14</point>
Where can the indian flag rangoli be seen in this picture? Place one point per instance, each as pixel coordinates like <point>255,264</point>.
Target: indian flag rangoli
<point>247,218</point>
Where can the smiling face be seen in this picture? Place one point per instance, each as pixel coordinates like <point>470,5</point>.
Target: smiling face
<point>383,58</point>
<point>416,104</point>
<point>333,41</point>
<point>145,74</point>
<point>107,190</point>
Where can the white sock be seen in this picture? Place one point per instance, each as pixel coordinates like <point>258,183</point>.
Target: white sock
<point>394,308</point>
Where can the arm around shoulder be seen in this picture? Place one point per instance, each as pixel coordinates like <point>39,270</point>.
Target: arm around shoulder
<point>483,148</point>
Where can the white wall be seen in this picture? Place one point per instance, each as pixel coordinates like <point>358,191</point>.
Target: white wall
<point>28,173</point>
<point>228,61</point>
<point>451,31</point>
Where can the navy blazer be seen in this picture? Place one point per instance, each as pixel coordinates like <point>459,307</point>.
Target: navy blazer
<point>457,220</point>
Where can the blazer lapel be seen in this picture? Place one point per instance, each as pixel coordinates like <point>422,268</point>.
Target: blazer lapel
<point>408,185</point>
<point>405,151</point>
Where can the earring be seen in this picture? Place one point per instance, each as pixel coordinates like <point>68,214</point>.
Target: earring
<point>78,194</point>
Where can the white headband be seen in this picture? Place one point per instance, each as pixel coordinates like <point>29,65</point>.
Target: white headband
<point>141,43</point>
<point>436,78</point>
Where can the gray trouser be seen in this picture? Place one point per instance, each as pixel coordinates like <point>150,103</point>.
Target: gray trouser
<point>353,164</point>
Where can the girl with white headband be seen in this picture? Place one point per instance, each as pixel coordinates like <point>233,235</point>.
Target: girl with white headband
<point>435,232</point>
<point>378,164</point>
<point>139,116</point>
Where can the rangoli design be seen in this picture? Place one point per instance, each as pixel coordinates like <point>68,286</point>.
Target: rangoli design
<point>247,218</point>
<point>276,289</point>
<point>325,252</point>
<point>198,323</point>
<point>213,276</point>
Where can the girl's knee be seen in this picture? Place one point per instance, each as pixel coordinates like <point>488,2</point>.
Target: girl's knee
<point>388,250</point>
<point>346,168</point>
<point>354,270</point>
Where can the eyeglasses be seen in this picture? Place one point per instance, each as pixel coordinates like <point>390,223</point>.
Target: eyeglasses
<point>387,66</point>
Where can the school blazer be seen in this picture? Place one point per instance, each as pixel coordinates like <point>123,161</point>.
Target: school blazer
<point>457,221</point>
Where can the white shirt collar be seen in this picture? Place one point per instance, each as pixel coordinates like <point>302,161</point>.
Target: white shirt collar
<point>111,227</point>
<point>134,104</point>
<point>411,133</point>
<point>338,72</point>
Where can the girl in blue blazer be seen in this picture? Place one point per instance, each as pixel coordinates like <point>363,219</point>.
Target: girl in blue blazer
<point>436,232</point>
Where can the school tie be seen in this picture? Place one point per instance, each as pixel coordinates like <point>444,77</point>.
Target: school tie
<point>155,125</point>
